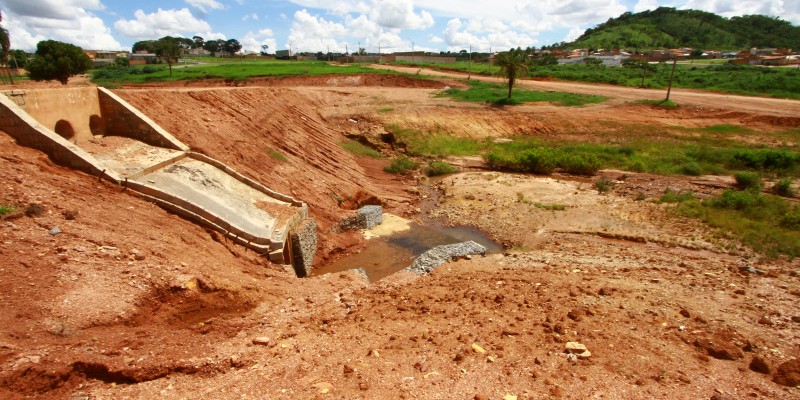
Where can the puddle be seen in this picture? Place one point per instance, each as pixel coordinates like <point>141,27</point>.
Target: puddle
<point>385,255</point>
<point>389,254</point>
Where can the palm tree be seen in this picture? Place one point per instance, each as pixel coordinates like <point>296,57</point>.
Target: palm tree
<point>513,64</point>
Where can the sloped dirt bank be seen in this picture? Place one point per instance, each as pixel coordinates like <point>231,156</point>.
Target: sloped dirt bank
<point>129,301</point>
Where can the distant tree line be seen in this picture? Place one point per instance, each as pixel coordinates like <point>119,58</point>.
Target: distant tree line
<point>230,46</point>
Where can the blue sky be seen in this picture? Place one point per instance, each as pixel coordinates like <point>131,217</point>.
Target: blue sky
<point>336,25</point>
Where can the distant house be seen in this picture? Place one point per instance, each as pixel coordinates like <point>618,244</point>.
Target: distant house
<point>142,57</point>
<point>283,54</point>
<point>104,57</point>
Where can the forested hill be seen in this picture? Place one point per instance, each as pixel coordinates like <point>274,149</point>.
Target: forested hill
<point>670,28</point>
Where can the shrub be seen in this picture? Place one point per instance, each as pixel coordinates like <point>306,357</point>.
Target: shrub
<point>737,200</point>
<point>149,69</point>
<point>538,161</point>
<point>440,168</point>
<point>505,101</point>
<point>580,164</point>
<point>767,159</point>
<point>671,196</point>
<point>6,209</point>
<point>401,165</point>
<point>748,181</point>
<point>691,169</point>
<point>792,220</point>
<point>784,188</point>
<point>604,185</point>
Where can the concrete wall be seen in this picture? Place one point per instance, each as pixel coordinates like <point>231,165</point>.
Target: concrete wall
<point>121,119</point>
<point>74,105</point>
<point>29,132</point>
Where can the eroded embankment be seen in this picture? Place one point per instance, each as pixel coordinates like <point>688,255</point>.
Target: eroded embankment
<point>276,136</point>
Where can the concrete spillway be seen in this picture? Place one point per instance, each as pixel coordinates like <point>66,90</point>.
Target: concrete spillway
<point>93,130</point>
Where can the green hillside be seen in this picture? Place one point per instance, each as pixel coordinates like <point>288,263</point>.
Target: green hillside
<point>670,28</point>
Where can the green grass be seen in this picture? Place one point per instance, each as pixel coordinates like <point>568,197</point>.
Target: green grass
<point>727,129</point>
<point>277,155</point>
<point>6,209</point>
<point>603,185</point>
<point>747,181</point>
<point>671,196</point>
<point>637,148</point>
<point>483,92</point>
<point>783,187</point>
<point>668,104</point>
<point>401,165</point>
<point>436,168</point>
<point>766,223</point>
<point>439,144</point>
<point>231,71</point>
<point>359,149</point>
<point>550,206</point>
<point>716,75</point>
<point>385,109</point>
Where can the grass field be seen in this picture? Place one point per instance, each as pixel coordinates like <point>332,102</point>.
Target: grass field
<point>483,92</point>
<point>710,150</point>
<point>229,69</point>
<point>710,75</point>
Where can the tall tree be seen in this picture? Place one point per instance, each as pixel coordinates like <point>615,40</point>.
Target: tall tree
<point>513,64</point>
<point>231,46</point>
<point>169,49</point>
<point>213,46</point>
<point>144,45</point>
<point>57,60</point>
<point>264,49</point>
<point>5,47</point>
<point>197,42</point>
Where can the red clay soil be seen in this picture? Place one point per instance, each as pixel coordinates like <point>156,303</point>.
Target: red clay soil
<point>129,301</point>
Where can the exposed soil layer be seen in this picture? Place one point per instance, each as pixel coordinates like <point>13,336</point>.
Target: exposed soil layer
<point>129,301</point>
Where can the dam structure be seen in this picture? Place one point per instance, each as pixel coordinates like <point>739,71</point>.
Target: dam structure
<point>93,130</point>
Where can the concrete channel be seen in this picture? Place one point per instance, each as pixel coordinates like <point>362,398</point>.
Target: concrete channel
<point>93,130</point>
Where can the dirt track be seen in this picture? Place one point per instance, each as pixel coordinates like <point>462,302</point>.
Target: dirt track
<point>747,104</point>
<point>132,302</point>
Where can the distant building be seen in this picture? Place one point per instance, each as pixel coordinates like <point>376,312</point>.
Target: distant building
<point>104,57</point>
<point>283,54</point>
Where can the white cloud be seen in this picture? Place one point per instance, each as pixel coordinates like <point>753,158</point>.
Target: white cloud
<point>252,16</point>
<point>205,5</point>
<point>786,9</point>
<point>573,34</point>
<point>161,23</point>
<point>69,21</point>
<point>312,33</point>
<point>399,14</point>
<point>644,5</point>
<point>50,9</point>
<point>493,37</point>
<point>253,41</point>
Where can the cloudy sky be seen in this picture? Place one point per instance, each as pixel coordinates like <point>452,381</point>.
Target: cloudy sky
<point>336,25</point>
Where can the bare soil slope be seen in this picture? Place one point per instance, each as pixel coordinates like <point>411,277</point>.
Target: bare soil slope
<point>129,301</point>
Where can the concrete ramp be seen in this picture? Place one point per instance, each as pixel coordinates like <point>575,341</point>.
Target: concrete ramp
<point>93,130</point>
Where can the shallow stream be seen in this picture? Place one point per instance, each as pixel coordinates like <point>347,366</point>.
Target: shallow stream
<point>386,255</point>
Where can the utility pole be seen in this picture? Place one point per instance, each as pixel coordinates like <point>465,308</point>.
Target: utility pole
<point>469,63</point>
<point>671,75</point>
<point>644,72</point>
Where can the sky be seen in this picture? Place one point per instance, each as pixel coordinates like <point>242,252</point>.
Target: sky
<point>340,25</point>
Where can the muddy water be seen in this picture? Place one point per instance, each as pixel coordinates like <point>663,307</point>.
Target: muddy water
<point>387,255</point>
<point>384,256</point>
